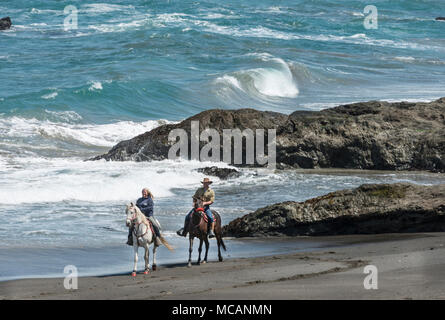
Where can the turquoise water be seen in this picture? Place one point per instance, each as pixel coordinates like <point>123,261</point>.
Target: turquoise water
<point>131,66</point>
<point>137,60</point>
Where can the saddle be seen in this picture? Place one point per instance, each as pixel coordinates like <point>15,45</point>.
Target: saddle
<point>203,214</point>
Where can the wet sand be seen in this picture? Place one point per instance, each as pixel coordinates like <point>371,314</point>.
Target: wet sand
<point>410,266</point>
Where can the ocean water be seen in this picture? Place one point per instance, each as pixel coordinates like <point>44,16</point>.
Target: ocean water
<point>131,66</point>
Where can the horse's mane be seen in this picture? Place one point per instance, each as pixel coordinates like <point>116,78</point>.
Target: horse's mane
<point>139,212</point>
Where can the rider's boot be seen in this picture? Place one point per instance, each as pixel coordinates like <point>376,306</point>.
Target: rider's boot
<point>183,231</point>
<point>210,227</point>
<point>157,235</point>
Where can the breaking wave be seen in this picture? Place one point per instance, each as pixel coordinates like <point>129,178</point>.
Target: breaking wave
<point>102,135</point>
<point>274,80</point>
<point>55,180</point>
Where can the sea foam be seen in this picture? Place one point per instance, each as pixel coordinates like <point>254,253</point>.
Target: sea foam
<point>55,180</point>
<point>102,135</point>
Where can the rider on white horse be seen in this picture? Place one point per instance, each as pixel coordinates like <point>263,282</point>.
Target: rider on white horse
<point>145,204</point>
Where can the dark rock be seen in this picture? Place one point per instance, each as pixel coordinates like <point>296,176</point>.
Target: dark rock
<point>5,23</point>
<point>440,18</point>
<point>367,135</point>
<point>368,209</point>
<point>154,144</point>
<point>222,173</point>
<point>371,135</point>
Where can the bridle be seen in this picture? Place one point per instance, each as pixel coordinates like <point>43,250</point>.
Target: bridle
<point>198,210</point>
<point>133,216</point>
<point>137,224</point>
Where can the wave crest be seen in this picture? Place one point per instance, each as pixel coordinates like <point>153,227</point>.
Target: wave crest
<point>274,80</point>
<point>103,135</point>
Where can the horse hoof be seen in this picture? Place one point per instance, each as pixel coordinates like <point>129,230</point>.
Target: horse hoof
<point>146,272</point>
<point>204,262</point>
<point>189,265</point>
<point>154,268</point>
<point>220,259</point>
<point>133,274</point>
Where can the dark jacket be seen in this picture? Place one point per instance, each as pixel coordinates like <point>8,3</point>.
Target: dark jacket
<point>145,205</point>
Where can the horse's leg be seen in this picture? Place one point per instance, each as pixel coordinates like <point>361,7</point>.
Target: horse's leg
<point>146,257</point>
<point>206,239</point>
<point>135,248</point>
<point>218,235</point>
<point>155,247</point>
<point>190,251</point>
<point>199,250</point>
<point>218,241</point>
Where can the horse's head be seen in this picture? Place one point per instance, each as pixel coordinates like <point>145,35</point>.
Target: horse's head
<point>197,214</point>
<point>131,213</point>
<point>197,203</point>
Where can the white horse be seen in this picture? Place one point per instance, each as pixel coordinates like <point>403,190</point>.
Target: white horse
<point>142,237</point>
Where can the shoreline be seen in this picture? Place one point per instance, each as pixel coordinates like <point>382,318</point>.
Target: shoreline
<point>118,259</point>
<point>410,266</point>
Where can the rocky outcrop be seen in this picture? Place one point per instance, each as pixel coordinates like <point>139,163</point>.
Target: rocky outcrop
<point>5,23</point>
<point>154,144</point>
<point>222,173</point>
<point>366,135</point>
<point>368,209</point>
<point>371,135</point>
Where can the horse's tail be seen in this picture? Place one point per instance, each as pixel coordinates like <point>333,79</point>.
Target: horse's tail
<point>221,241</point>
<point>165,243</point>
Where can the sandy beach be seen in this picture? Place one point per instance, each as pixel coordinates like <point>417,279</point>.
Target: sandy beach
<point>410,266</point>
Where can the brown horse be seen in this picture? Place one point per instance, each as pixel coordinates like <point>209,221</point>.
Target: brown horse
<point>197,227</point>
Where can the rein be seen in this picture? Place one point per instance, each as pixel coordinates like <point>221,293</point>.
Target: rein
<point>198,211</point>
<point>137,224</point>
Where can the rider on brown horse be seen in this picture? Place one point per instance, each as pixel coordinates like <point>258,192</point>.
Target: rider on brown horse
<point>207,195</point>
